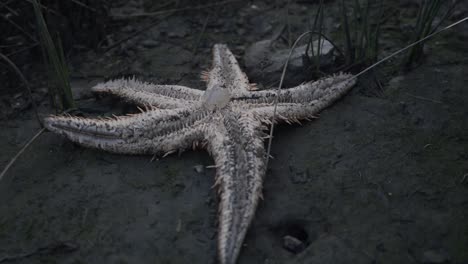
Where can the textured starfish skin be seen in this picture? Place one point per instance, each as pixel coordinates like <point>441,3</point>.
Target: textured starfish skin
<point>228,119</point>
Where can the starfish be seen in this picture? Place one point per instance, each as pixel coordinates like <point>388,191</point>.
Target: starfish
<point>228,119</point>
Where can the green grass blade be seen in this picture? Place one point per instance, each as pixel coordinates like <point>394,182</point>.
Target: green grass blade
<point>55,61</point>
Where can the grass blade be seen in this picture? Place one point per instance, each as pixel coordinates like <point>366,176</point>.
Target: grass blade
<point>56,63</point>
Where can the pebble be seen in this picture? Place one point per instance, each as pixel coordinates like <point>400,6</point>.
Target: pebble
<point>149,43</point>
<point>293,244</point>
<point>199,168</point>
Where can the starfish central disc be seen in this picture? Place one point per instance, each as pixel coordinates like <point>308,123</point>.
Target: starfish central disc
<point>216,98</point>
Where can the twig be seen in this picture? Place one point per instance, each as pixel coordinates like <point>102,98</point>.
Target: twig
<point>270,140</point>
<point>464,177</point>
<point>45,8</point>
<point>5,5</point>
<point>83,5</point>
<point>134,34</point>
<point>424,98</point>
<point>22,50</point>
<point>20,28</point>
<point>52,249</point>
<point>195,46</point>
<point>13,160</point>
<point>11,45</point>
<point>157,13</point>
<point>26,83</point>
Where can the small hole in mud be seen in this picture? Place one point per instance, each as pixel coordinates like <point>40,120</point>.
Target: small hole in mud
<point>298,232</point>
<point>294,238</point>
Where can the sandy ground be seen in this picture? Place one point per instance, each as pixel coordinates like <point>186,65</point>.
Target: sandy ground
<point>376,179</point>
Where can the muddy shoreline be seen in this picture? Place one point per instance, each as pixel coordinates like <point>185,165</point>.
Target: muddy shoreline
<point>380,177</point>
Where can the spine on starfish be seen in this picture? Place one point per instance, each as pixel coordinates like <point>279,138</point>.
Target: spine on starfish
<point>155,131</point>
<point>236,146</point>
<point>142,93</point>
<point>327,88</point>
<point>225,72</point>
<point>303,102</point>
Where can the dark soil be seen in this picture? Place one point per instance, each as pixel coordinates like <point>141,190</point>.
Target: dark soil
<point>380,177</point>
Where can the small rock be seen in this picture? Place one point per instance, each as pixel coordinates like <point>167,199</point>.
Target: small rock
<point>395,81</point>
<point>149,43</point>
<point>199,168</point>
<point>331,250</point>
<point>20,102</point>
<point>293,244</point>
<point>264,62</point>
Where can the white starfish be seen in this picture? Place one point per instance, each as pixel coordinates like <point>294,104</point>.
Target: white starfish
<point>228,119</point>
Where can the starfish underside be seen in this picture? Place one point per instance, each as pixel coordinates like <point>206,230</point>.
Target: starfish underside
<point>228,119</point>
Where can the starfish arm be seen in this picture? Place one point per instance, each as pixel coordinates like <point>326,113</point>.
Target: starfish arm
<point>236,145</point>
<point>156,131</point>
<point>292,109</point>
<point>225,72</point>
<point>288,112</point>
<point>323,89</point>
<point>142,93</point>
